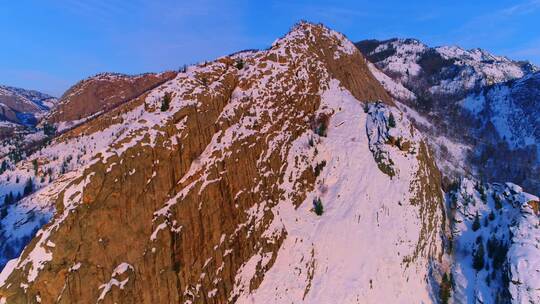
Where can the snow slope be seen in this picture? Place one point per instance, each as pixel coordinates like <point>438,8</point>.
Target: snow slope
<point>507,228</point>
<point>481,109</point>
<point>370,262</point>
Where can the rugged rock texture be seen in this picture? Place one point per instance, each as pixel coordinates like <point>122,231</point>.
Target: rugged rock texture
<point>207,199</point>
<point>100,94</point>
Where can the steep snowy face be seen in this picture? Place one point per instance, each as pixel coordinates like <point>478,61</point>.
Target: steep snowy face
<point>511,108</point>
<point>268,176</point>
<point>506,119</point>
<point>22,108</point>
<point>377,182</point>
<point>495,230</point>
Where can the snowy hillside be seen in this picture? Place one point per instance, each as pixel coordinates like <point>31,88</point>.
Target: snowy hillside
<point>444,70</point>
<point>512,108</point>
<point>99,94</point>
<point>235,182</point>
<point>496,232</point>
<point>374,206</point>
<point>478,110</point>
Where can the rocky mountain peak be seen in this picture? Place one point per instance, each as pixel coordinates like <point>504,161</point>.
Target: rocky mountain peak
<point>212,185</point>
<point>303,173</point>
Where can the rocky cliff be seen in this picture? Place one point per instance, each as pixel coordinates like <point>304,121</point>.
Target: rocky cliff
<point>284,175</point>
<point>100,94</point>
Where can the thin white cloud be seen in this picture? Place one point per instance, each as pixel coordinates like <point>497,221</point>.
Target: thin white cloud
<point>521,8</point>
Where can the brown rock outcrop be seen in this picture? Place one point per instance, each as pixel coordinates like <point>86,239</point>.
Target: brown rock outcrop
<point>102,93</point>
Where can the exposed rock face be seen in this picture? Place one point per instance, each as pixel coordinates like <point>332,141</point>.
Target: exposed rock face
<point>207,200</point>
<point>479,112</point>
<point>100,94</point>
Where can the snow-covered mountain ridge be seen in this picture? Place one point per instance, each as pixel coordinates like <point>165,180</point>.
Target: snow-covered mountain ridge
<point>298,174</point>
<point>479,110</point>
<point>214,185</point>
<point>480,113</point>
<point>444,70</point>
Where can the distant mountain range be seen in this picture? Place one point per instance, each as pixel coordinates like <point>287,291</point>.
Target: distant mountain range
<point>480,110</point>
<point>21,108</point>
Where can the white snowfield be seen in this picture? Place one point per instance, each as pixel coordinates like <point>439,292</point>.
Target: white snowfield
<point>356,251</point>
<point>513,110</point>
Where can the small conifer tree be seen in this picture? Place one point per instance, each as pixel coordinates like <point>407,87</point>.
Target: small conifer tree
<point>476,223</point>
<point>478,257</point>
<point>35,164</point>
<point>318,206</point>
<point>28,187</point>
<point>239,64</point>
<point>165,102</point>
<point>445,289</point>
<point>391,121</point>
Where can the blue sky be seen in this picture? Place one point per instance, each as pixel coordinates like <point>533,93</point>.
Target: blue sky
<point>50,45</point>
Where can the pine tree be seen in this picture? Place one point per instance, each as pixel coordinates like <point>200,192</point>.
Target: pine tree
<point>8,199</point>
<point>476,223</point>
<point>28,187</point>
<point>445,289</point>
<point>478,257</point>
<point>165,102</point>
<point>35,164</point>
<point>49,129</point>
<point>497,199</point>
<point>391,121</point>
<point>239,64</point>
<point>318,206</point>
<point>3,167</point>
<point>3,212</point>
